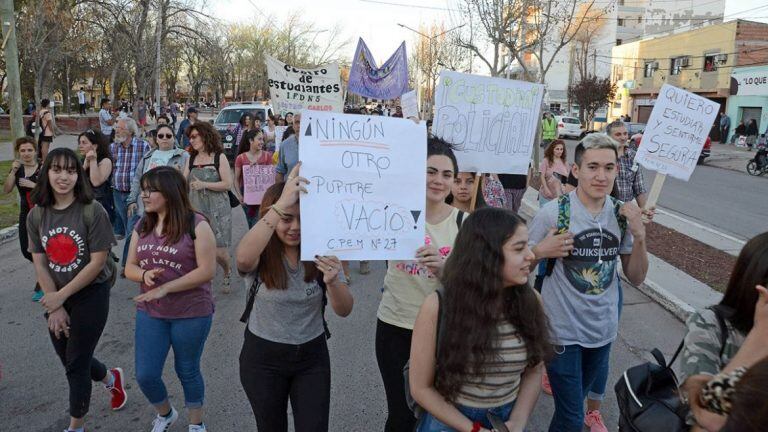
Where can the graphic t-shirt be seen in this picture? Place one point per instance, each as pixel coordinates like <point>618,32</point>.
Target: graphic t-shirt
<point>408,283</point>
<point>581,297</point>
<point>68,243</point>
<point>159,158</point>
<point>176,260</point>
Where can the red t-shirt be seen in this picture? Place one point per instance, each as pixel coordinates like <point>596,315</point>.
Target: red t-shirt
<point>242,159</point>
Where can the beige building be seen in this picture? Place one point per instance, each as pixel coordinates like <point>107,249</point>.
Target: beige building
<point>700,61</point>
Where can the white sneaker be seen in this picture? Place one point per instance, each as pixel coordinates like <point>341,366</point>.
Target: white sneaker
<point>161,424</point>
<point>196,428</point>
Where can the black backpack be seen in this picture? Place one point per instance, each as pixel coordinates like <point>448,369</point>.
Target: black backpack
<point>648,394</point>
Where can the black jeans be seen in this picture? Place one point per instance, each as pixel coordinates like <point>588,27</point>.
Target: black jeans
<point>393,348</point>
<point>272,372</point>
<point>88,311</point>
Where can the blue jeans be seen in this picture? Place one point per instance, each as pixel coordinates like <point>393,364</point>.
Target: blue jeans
<point>121,212</point>
<point>129,233</point>
<point>428,423</point>
<point>572,371</point>
<point>154,337</point>
<point>597,391</point>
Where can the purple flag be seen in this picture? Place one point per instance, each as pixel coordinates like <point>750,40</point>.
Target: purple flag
<point>387,82</point>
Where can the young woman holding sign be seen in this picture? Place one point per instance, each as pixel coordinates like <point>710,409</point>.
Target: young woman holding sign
<point>251,152</point>
<point>285,355</point>
<point>408,283</point>
<point>493,331</point>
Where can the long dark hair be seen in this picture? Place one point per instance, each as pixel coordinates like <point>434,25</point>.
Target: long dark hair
<point>179,212</point>
<point>271,269</point>
<point>209,135</point>
<point>245,142</point>
<point>751,269</point>
<point>243,117</point>
<point>102,146</point>
<point>476,301</point>
<point>61,158</point>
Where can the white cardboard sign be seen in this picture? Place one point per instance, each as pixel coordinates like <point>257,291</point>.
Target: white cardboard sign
<point>409,104</point>
<point>292,89</point>
<point>366,196</point>
<point>676,131</point>
<point>492,121</point>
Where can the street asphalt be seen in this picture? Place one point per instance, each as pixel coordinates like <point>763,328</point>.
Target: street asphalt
<point>33,387</point>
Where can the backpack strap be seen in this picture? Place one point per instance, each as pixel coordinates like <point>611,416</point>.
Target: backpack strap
<point>622,221</point>
<point>252,291</point>
<point>321,282</point>
<point>723,328</point>
<point>460,218</point>
<point>563,224</point>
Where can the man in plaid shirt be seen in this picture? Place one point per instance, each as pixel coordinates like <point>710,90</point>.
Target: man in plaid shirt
<point>127,151</point>
<point>630,182</point>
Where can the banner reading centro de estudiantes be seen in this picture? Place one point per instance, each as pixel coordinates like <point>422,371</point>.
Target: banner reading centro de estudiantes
<point>386,82</point>
<point>292,89</point>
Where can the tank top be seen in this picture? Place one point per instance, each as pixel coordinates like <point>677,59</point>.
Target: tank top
<point>103,190</point>
<point>498,382</point>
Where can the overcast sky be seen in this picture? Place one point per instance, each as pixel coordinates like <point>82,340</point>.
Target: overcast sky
<point>376,21</point>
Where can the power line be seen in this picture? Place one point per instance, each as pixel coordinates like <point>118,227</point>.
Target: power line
<point>646,35</point>
<point>763,62</point>
<point>744,51</point>
<point>409,5</point>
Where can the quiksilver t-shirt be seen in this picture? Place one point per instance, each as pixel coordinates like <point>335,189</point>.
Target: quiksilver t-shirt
<point>581,297</point>
<point>68,242</point>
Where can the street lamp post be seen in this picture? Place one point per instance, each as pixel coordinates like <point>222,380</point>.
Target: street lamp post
<point>429,79</point>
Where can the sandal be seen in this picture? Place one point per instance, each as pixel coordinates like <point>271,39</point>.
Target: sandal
<point>225,288</point>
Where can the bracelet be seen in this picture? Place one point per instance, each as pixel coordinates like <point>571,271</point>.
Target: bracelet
<point>142,277</point>
<point>280,212</point>
<point>476,426</point>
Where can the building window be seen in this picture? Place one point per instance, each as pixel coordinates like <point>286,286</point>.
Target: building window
<point>618,72</point>
<point>617,105</point>
<point>639,20</point>
<point>618,42</point>
<point>620,22</point>
<point>554,107</point>
<point>620,2</point>
<point>710,63</point>
<point>648,70</point>
<point>677,64</point>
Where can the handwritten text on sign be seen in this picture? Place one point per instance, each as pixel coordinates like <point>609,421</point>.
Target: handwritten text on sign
<point>256,180</point>
<point>676,132</point>
<point>367,177</point>
<point>493,121</point>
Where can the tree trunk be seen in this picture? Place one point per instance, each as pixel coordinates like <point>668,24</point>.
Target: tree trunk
<point>113,85</point>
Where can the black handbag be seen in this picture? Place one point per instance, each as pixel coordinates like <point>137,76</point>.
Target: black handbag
<point>233,201</point>
<point>648,394</point>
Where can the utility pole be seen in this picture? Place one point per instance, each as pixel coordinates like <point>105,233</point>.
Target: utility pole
<point>11,51</point>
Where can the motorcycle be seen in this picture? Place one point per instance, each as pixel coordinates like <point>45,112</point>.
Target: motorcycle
<point>759,164</point>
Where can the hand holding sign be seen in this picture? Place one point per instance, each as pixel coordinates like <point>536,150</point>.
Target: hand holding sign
<point>294,185</point>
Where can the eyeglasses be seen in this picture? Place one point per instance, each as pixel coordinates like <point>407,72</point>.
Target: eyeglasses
<point>166,136</point>
<point>147,192</point>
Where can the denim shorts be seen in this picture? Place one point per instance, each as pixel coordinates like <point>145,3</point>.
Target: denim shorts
<point>428,423</point>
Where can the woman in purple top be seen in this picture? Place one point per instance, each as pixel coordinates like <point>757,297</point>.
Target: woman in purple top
<point>169,256</point>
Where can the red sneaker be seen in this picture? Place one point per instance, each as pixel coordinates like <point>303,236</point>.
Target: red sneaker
<point>119,398</point>
<point>545,383</point>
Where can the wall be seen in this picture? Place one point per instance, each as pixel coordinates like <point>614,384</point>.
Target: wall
<point>735,105</point>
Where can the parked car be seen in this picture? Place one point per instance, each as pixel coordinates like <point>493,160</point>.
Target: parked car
<point>569,127</point>
<point>228,119</point>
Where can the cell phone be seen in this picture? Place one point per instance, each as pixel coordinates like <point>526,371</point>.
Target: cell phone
<point>496,422</point>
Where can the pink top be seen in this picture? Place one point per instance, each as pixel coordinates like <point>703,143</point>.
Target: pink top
<point>554,184</point>
<point>176,260</point>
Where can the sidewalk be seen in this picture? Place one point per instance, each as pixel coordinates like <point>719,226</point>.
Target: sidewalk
<point>673,289</point>
<point>729,156</point>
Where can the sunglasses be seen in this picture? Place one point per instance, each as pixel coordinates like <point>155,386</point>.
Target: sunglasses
<point>165,136</point>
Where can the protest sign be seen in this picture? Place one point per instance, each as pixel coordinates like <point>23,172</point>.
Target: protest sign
<point>676,132</point>
<point>410,104</point>
<point>293,89</point>
<point>256,180</point>
<point>386,82</point>
<point>492,121</point>
<point>367,189</point>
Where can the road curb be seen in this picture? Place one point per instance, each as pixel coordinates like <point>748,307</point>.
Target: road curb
<point>8,234</point>
<point>677,307</point>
